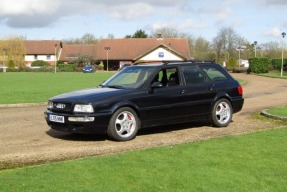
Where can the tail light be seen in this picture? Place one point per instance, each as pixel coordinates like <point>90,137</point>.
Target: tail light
<point>240,90</point>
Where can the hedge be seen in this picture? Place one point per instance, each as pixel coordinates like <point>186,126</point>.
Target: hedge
<point>67,67</point>
<point>40,63</point>
<point>259,65</point>
<point>28,69</point>
<point>277,63</point>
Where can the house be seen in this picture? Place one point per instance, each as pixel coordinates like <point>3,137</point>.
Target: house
<point>116,52</point>
<point>46,50</point>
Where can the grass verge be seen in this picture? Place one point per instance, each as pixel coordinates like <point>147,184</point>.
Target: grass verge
<point>274,75</point>
<point>280,111</point>
<point>252,162</point>
<point>39,87</point>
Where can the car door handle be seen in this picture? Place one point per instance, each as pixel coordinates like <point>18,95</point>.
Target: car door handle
<point>182,91</point>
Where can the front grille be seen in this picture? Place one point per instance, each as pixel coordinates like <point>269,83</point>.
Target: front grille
<point>61,107</point>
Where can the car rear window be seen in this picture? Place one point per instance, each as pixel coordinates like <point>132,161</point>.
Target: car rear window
<point>192,75</point>
<point>214,73</point>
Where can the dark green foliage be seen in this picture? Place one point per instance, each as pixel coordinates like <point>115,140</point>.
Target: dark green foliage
<point>11,64</point>
<point>277,63</point>
<point>138,34</point>
<point>259,65</point>
<point>40,63</point>
<point>60,62</point>
<point>67,67</point>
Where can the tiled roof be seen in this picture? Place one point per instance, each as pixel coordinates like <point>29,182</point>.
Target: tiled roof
<point>133,48</point>
<point>41,47</point>
<point>120,49</point>
<point>74,50</point>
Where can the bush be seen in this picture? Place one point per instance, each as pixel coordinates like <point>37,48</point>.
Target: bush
<point>11,64</point>
<point>67,67</point>
<point>259,65</point>
<point>28,69</point>
<point>99,67</point>
<point>276,63</point>
<point>231,63</point>
<point>40,63</point>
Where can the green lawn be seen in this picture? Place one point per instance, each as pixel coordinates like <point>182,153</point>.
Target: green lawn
<point>252,162</point>
<point>274,75</point>
<point>280,111</point>
<point>39,87</point>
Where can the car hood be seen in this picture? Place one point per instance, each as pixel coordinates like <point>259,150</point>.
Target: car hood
<point>89,95</point>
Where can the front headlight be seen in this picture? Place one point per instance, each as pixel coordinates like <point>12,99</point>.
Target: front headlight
<point>50,105</point>
<point>83,108</point>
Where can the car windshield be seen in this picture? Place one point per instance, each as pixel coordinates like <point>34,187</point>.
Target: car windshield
<point>130,77</point>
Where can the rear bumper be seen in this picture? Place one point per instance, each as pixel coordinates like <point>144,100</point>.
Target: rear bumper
<point>237,104</point>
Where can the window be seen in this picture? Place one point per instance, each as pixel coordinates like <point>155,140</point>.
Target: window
<point>35,57</point>
<point>48,57</point>
<point>130,77</point>
<point>168,77</point>
<point>214,73</point>
<point>192,75</point>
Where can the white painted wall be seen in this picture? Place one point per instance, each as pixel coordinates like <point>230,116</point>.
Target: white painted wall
<point>30,58</point>
<point>160,54</point>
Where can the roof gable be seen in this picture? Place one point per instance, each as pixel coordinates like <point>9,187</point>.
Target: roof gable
<point>160,53</point>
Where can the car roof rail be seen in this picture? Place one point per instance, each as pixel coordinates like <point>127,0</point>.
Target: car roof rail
<point>188,61</point>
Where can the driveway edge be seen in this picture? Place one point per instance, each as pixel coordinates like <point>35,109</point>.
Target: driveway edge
<point>266,114</point>
<point>22,105</point>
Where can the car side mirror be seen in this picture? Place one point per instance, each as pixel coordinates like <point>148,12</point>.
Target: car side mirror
<point>156,85</point>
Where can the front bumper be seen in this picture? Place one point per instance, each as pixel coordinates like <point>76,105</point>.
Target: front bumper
<point>98,125</point>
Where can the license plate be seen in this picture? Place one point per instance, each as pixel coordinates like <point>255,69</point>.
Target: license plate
<point>56,118</point>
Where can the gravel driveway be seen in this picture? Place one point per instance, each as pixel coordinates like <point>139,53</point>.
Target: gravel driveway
<point>26,138</point>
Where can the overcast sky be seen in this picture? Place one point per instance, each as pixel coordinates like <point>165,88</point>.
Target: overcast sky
<point>260,20</point>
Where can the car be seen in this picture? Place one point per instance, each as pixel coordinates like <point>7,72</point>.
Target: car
<point>149,95</point>
<point>88,69</point>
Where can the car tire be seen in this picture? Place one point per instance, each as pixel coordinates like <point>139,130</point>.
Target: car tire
<point>221,113</point>
<point>123,125</point>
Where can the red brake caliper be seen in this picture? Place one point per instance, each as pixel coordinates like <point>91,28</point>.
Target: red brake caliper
<point>129,118</point>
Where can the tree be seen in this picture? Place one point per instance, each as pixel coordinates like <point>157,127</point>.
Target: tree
<point>169,32</point>
<point>227,44</point>
<point>271,49</point>
<point>138,34</point>
<point>87,38</point>
<point>201,49</point>
<point>110,36</point>
<point>13,49</point>
<point>81,59</point>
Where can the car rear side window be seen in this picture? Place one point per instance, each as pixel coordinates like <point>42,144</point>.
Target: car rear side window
<point>192,75</point>
<point>214,73</point>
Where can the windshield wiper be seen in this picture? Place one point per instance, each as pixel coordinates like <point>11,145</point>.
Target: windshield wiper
<point>115,86</point>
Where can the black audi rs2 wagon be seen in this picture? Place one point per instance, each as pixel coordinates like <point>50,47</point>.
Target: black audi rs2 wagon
<point>149,95</point>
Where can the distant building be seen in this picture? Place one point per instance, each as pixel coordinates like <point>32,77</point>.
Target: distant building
<point>46,50</point>
<point>114,52</point>
<point>131,50</point>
